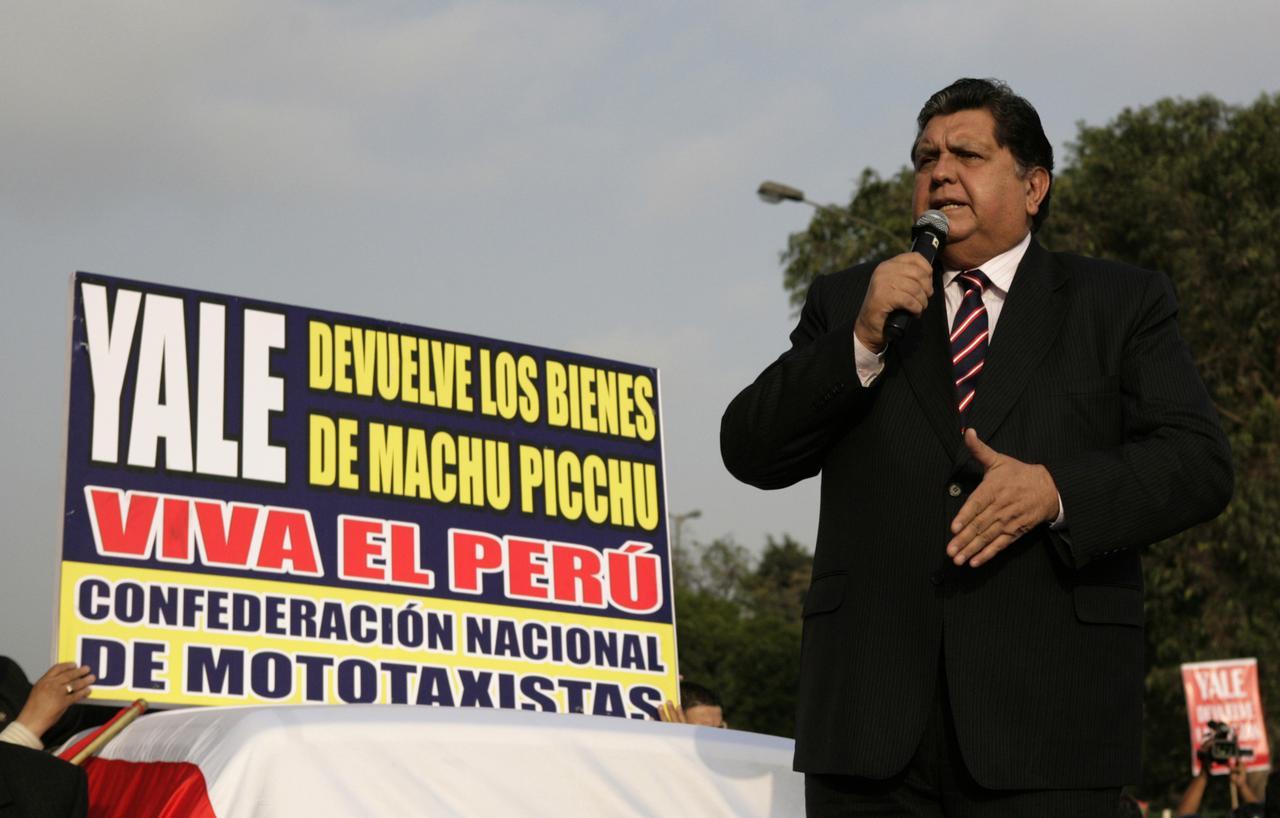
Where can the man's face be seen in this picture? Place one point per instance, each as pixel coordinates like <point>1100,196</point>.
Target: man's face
<point>962,171</point>
<point>707,715</point>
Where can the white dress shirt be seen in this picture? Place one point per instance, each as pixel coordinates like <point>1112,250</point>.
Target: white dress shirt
<point>17,733</point>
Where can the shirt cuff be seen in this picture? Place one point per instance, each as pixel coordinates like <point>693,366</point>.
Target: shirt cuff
<point>17,733</point>
<point>1059,522</point>
<point>869,364</point>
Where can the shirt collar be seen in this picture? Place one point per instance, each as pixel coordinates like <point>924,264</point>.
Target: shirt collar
<point>999,270</point>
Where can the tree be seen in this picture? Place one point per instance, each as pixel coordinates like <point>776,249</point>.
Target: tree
<point>1187,187</point>
<point>837,238</point>
<point>738,625</point>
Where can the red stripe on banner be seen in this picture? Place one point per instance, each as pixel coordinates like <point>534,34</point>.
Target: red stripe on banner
<point>162,789</point>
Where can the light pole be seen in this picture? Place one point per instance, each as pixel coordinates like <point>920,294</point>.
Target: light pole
<point>677,524</point>
<point>775,192</point>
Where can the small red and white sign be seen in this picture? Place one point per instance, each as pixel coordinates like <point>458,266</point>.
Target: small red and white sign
<point>1226,691</point>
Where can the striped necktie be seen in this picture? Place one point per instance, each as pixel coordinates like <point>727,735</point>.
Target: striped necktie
<point>969,338</point>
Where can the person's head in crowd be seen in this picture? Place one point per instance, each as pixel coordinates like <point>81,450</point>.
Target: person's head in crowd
<point>701,705</point>
<point>1130,808</point>
<point>1238,776</point>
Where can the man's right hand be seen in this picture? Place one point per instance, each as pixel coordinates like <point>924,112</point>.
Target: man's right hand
<point>671,712</point>
<point>60,687</point>
<point>903,282</point>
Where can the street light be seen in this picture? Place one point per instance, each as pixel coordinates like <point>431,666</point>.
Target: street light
<point>776,192</point>
<point>677,523</point>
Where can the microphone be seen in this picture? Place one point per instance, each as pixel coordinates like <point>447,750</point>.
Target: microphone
<point>927,238</point>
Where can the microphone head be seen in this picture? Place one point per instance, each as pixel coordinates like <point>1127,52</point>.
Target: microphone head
<point>934,220</point>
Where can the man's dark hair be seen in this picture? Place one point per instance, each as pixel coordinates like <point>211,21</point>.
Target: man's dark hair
<point>1017,125</point>
<point>693,694</point>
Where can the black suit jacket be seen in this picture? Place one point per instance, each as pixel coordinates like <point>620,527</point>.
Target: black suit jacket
<point>37,785</point>
<point>1087,374</point>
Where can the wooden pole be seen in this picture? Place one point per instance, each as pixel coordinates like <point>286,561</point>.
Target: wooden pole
<point>109,731</point>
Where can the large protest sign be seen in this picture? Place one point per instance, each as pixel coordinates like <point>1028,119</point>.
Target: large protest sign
<point>268,503</point>
<point>1226,692</point>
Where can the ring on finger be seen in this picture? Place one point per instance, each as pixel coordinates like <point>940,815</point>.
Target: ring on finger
<point>70,689</point>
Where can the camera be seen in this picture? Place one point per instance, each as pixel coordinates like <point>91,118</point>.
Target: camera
<point>1221,745</point>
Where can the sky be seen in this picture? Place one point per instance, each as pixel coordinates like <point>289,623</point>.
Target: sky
<point>573,175</point>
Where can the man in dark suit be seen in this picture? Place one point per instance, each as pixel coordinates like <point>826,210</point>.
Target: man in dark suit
<point>37,785</point>
<point>973,632</point>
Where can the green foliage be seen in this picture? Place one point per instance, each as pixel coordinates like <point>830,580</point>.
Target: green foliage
<point>875,224</point>
<point>738,623</point>
<point>1188,187</point>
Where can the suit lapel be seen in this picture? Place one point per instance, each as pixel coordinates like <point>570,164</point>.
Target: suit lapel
<point>924,355</point>
<point>1029,322</point>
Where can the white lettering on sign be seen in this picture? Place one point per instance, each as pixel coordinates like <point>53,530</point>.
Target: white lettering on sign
<point>1224,683</point>
<point>162,397</point>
